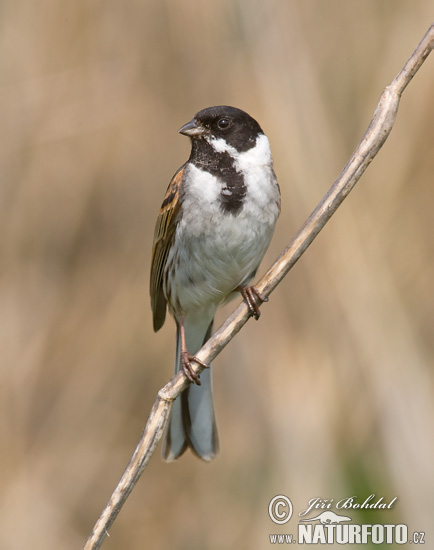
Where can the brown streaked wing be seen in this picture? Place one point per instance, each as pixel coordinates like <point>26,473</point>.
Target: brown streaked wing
<point>163,239</point>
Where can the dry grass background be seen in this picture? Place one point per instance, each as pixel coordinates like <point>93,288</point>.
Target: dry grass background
<point>331,394</point>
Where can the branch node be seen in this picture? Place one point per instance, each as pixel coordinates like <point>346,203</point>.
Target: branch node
<point>164,396</point>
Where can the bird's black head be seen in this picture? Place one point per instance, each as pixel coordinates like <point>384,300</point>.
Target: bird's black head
<point>234,126</point>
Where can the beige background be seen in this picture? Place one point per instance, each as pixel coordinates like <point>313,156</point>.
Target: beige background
<point>331,394</point>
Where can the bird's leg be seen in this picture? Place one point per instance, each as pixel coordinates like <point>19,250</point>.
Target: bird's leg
<point>186,358</point>
<point>253,299</point>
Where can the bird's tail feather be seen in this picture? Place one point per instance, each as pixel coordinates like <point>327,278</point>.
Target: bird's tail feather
<point>192,420</point>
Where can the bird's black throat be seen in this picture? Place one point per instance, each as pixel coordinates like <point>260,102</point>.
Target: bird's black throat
<point>222,166</point>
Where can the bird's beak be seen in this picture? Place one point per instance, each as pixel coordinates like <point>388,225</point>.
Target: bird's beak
<point>192,129</point>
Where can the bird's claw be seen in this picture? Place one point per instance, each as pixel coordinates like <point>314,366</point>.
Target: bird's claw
<point>253,299</point>
<point>187,369</point>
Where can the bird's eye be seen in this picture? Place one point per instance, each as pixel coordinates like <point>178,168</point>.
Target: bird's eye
<point>224,124</point>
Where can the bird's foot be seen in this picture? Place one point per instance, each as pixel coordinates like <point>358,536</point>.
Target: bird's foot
<point>253,299</point>
<point>187,369</point>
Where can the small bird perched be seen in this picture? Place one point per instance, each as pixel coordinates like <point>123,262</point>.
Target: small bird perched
<point>214,226</point>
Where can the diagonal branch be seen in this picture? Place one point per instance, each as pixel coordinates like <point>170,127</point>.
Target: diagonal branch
<point>376,134</point>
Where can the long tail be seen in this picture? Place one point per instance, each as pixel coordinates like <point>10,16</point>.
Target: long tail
<point>192,420</point>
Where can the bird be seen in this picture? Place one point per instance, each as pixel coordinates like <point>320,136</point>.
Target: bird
<point>213,229</point>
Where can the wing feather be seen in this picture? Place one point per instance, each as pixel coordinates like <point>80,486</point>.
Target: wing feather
<point>163,239</point>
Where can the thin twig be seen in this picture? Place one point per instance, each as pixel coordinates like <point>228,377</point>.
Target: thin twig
<point>376,134</point>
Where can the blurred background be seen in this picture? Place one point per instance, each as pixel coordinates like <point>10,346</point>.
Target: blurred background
<point>331,394</point>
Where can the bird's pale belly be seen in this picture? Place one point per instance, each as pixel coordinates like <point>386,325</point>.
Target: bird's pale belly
<point>215,262</point>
